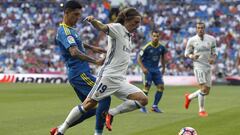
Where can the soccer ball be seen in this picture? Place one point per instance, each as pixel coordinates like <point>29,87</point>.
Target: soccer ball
<point>187,131</point>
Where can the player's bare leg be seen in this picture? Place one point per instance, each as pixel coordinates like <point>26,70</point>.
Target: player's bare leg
<point>136,100</point>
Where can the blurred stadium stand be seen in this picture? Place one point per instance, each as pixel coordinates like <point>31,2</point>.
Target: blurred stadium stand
<point>27,32</point>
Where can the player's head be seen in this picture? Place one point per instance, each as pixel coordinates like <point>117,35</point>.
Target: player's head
<point>72,11</point>
<point>200,28</point>
<point>155,36</point>
<point>130,18</point>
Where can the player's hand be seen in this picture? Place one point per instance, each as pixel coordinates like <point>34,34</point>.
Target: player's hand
<point>89,18</point>
<point>100,62</point>
<point>211,61</point>
<point>193,56</point>
<point>163,70</point>
<point>145,71</point>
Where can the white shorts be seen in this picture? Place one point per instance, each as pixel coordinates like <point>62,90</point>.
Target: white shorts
<point>203,76</point>
<point>106,86</point>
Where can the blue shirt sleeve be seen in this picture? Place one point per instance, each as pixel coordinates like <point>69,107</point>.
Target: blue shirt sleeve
<point>67,39</point>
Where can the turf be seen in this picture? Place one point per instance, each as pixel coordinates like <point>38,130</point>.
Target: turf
<point>32,109</point>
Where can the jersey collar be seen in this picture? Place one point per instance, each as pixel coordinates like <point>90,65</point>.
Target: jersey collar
<point>65,25</point>
<point>200,37</point>
<point>151,43</point>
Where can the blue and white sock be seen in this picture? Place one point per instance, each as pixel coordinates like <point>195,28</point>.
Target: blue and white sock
<point>194,94</point>
<point>158,96</point>
<point>126,106</point>
<point>74,115</point>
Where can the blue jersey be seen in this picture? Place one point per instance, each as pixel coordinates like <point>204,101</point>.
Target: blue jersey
<point>67,37</point>
<point>151,55</point>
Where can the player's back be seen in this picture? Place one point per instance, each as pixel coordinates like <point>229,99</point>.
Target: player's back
<point>67,37</point>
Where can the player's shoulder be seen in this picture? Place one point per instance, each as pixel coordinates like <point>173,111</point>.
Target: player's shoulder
<point>115,25</point>
<point>195,37</point>
<point>146,46</point>
<point>64,29</point>
<point>162,44</point>
<point>210,37</point>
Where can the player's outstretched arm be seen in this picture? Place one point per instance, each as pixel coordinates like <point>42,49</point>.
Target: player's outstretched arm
<point>97,24</point>
<point>76,53</point>
<point>94,48</point>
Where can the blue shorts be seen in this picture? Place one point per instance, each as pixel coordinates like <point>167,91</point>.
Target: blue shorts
<point>153,76</point>
<point>83,84</point>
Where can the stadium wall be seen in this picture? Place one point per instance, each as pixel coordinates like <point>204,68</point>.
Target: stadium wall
<point>61,78</point>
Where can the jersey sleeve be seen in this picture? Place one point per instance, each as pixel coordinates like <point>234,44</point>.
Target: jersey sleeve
<point>66,38</point>
<point>189,48</point>
<point>114,29</point>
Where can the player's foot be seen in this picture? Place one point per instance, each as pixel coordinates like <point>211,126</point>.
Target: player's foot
<point>203,114</point>
<point>109,120</point>
<point>143,110</point>
<point>156,109</point>
<point>54,131</point>
<point>187,101</point>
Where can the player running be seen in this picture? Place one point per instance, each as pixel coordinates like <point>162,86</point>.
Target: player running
<point>111,79</point>
<point>148,59</point>
<point>73,52</point>
<point>201,48</point>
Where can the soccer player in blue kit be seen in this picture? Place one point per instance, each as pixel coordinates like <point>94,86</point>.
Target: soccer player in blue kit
<point>76,59</point>
<point>148,60</point>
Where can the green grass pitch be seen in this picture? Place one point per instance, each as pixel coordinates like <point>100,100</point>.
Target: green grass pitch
<point>32,109</point>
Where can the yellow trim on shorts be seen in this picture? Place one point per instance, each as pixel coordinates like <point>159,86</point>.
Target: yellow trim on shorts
<point>87,79</point>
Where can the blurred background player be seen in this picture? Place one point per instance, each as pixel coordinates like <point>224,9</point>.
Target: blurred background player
<point>201,48</point>
<point>148,59</point>
<point>79,75</point>
<point>112,76</point>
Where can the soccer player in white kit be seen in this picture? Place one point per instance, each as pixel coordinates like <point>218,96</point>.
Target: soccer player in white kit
<point>111,79</point>
<point>201,48</point>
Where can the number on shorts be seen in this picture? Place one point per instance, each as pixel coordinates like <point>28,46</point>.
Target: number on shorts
<point>101,88</point>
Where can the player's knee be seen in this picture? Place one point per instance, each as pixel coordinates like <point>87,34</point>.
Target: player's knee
<point>89,104</point>
<point>143,100</point>
<point>206,90</point>
<point>161,89</point>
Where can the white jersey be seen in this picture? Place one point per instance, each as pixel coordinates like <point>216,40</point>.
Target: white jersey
<point>118,53</point>
<point>204,48</point>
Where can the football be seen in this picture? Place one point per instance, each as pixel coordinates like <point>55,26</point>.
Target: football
<point>187,131</point>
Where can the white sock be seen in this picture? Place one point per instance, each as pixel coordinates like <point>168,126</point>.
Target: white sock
<point>98,133</point>
<point>194,94</point>
<point>74,115</point>
<point>201,101</point>
<point>126,106</point>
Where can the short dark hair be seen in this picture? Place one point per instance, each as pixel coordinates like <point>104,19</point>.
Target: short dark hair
<point>155,31</point>
<point>72,4</point>
<point>200,22</point>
